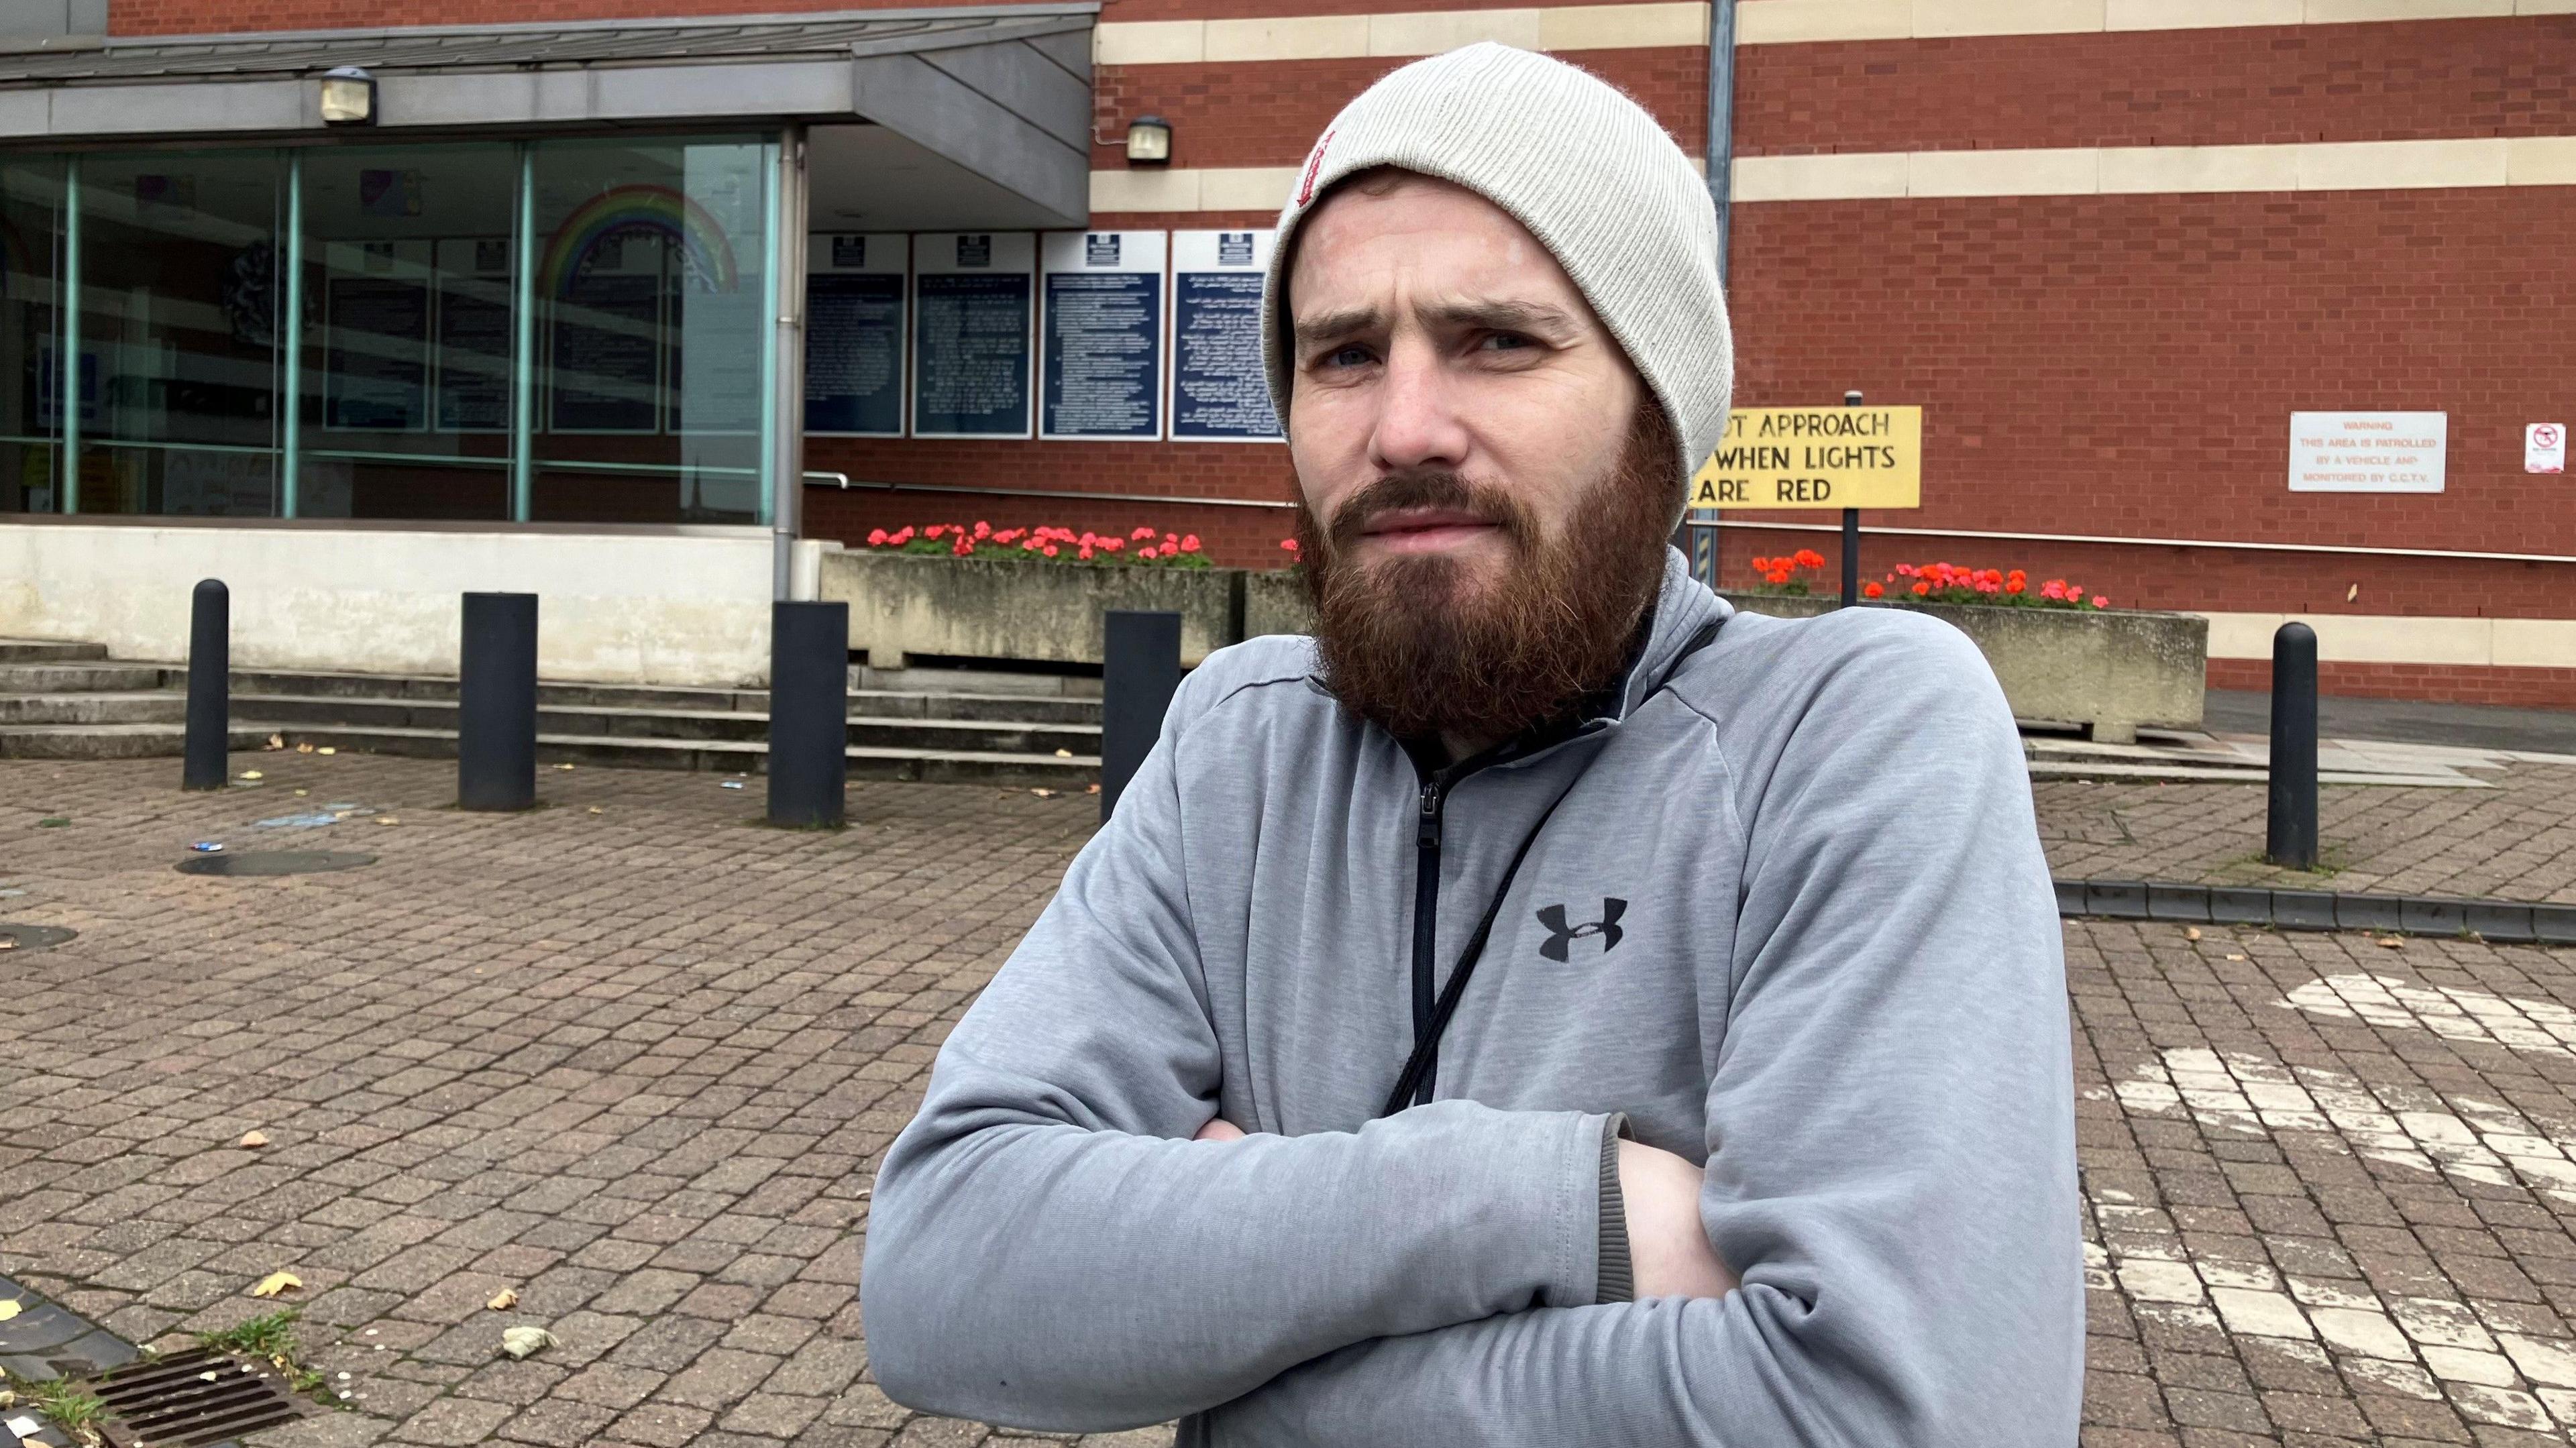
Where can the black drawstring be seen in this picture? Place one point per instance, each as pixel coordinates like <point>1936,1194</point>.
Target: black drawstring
<point>1428,1044</point>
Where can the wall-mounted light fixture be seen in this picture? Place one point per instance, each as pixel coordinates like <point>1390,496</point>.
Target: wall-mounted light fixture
<point>348,97</point>
<point>1149,141</point>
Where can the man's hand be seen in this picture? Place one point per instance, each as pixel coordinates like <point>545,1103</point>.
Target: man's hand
<point>1219,1129</point>
<point>1668,1249</point>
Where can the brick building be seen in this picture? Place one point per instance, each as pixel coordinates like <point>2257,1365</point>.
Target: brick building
<point>2109,246</point>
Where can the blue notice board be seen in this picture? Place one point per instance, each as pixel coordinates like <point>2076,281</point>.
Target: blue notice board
<point>854,333</point>
<point>1220,391</point>
<point>971,303</point>
<point>1103,357</point>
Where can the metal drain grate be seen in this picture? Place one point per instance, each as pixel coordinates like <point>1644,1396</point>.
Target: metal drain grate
<point>190,1398</point>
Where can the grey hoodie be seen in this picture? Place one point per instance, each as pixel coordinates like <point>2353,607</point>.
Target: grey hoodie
<point>1790,917</point>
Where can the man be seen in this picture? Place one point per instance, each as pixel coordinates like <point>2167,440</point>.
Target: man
<point>1544,1007</point>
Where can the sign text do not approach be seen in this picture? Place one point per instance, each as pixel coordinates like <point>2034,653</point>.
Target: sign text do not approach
<point>1815,457</point>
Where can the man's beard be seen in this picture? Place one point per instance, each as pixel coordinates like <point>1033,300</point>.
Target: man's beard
<point>1427,648</point>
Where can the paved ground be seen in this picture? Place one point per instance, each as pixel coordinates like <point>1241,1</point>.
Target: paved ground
<point>637,1065</point>
<point>2516,841</point>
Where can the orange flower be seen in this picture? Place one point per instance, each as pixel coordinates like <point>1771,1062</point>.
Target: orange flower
<point>1872,590</point>
<point>1921,589</point>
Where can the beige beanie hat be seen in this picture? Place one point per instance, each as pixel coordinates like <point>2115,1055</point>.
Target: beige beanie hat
<point>1591,175</point>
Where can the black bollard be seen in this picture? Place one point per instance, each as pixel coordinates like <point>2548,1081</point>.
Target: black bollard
<point>210,667</point>
<point>1140,670</point>
<point>1851,539</point>
<point>2290,828</point>
<point>496,703</point>
<point>809,713</point>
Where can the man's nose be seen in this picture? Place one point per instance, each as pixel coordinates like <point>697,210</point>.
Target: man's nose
<point>1418,420</point>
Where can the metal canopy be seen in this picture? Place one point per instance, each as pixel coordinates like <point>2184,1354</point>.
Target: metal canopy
<point>1003,91</point>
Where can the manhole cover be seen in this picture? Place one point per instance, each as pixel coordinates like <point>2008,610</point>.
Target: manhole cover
<point>274,862</point>
<point>14,936</point>
<point>190,1398</point>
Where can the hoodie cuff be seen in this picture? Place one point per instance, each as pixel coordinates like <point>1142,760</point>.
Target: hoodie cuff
<point>1618,1277</point>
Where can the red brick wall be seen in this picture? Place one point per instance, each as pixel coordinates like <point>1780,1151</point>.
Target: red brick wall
<point>194,17</point>
<point>1269,113</point>
<point>2520,688</point>
<point>2374,82</point>
<point>2126,365</point>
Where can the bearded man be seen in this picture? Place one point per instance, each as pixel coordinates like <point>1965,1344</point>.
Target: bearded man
<point>1544,1007</point>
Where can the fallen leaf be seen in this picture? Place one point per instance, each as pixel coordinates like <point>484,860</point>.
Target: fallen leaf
<point>518,1342</point>
<point>1095,789</point>
<point>594,809</point>
<point>301,793</point>
<point>387,820</point>
<point>250,774</point>
<point>504,1300</point>
<point>2191,932</point>
<point>1043,793</point>
<point>326,749</point>
<point>303,748</point>
<point>275,1283</point>
<point>8,1308</point>
<point>8,942</point>
<point>254,1138</point>
<point>2233,955</point>
<point>564,767</point>
<point>277,741</point>
<point>2391,942</point>
<point>1064,754</point>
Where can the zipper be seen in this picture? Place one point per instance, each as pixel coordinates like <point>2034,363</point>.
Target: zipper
<point>1426,913</point>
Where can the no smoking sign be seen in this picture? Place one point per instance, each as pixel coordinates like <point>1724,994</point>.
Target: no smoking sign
<point>2544,448</point>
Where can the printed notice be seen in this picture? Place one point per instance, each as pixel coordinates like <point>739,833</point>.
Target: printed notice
<point>1219,390</point>
<point>854,289</point>
<point>2368,452</point>
<point>971,300</point>
<point>1815,457</point>
<point>1103,359</point>
<point>2544,448</point>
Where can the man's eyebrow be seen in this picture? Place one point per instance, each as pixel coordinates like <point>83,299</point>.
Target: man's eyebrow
<point>1500,316</point>
<point>1327,326</point>
<point>1493,316</point>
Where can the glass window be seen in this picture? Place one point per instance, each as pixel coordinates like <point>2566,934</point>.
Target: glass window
<point>649,282</point>
<point>31,223</point>
<point>408,324</point>
<point>180,273</point>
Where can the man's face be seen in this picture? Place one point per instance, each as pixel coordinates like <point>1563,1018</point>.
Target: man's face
<point>1486,482</point>
<point>1433,333</point>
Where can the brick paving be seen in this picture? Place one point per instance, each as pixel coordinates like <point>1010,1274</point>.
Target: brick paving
<point>634,1057</point>
<point>2514,842</point>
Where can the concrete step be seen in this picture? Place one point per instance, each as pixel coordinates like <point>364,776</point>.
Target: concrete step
<point>48,651</point>
<point>108,741</point>
<point>729,756</point>
<point>77,678</point>
<point>864,678</point>
<point>675,725</point>
<point>140,706</point>
<point>873,703</point>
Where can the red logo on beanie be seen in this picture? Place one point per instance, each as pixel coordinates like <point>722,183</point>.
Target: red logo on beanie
<point>1314,163</point>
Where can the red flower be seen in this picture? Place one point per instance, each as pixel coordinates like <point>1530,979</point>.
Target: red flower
<point>1288,544</point>
<point>1112,545</point>
<point>1872,590</point>
<point>1809,558</point>
<point>1085,554</point>
<point>983,530</point>
<point>1050,550</point>
<point>1142,533</point>
<point>2100,602</point>
<point>1922,589</point>
<point>1189,542</point>
<point>876,537</point>
<point>933,531</point>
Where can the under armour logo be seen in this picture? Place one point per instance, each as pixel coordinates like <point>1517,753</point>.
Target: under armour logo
<point>1561,935</point>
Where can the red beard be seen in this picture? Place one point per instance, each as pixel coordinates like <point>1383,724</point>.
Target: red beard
<point>1421,648</point>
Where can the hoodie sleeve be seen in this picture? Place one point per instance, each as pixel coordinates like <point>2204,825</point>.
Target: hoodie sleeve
<point>1048,1249</point>
<point>1890,1149</point>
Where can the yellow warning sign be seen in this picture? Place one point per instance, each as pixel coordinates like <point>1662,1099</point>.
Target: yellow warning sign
<point>1815,457</point>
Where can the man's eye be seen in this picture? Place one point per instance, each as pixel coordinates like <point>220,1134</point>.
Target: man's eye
<point>1503,342</point>
<point>1353,355</point>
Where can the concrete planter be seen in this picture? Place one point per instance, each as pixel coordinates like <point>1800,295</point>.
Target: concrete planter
<point>979,608</point>
<point>2110,670</point>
